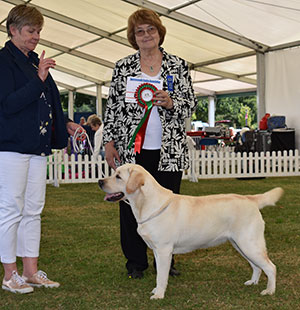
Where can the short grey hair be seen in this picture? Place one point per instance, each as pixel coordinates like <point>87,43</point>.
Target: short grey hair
<point>23,15</point>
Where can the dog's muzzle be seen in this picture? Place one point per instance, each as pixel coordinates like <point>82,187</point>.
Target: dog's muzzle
<point>114,197</point>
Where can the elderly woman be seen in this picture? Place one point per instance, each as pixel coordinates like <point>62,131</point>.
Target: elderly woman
<point>32,123</point>
<point>161,145</point>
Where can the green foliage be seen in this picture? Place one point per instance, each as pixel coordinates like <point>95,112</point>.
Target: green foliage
<point>201,112</point>
<point>82,103</point>
<point>228,108</point>
<point>80,248</point>
<point>231,108</point>
<point>64,101</point>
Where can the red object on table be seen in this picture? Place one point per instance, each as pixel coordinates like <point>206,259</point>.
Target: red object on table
<point>201,134</point>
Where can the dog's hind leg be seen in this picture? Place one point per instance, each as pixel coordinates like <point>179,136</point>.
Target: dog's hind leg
<point>256,253</point>
<point>163,262</point>
<point>256,270</point>
<point>255,275</point>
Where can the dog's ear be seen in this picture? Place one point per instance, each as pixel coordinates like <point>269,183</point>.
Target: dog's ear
<point>135,181</point>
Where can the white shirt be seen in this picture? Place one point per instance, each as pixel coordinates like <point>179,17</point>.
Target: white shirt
<point>98,141</point>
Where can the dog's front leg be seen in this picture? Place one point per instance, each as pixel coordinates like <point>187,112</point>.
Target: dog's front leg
<point>163,262</point>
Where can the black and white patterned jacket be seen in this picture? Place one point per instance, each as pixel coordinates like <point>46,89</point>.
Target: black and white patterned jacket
<point>122,118</point>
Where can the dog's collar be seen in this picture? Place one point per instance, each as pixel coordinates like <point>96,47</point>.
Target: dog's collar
<point>157,213</point>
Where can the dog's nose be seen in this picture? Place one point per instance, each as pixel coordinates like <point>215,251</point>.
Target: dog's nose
<point>100,183</point>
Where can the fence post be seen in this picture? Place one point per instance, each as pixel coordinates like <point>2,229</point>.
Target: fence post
<point>55,167</point>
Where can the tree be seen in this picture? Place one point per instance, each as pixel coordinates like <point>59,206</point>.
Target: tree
<point>231,108</point>
<point>201,111</point>
<point>228,108</point>
<point>82,103</point>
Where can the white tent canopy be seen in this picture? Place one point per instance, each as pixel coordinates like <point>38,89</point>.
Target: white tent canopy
<point>218,38</point>
<point>223,41</point>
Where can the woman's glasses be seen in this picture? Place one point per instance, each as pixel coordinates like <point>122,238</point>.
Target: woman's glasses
<point>142,32</point>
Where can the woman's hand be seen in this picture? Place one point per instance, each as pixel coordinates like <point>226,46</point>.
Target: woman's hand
<point>111,154</point>
<point>72,127</point>
<point>162,98</point>
<point>44,66</point>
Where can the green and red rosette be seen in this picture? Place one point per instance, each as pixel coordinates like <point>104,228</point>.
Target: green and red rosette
<point>144,95</point>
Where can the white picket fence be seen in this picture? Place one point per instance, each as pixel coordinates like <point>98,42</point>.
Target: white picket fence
<point>63,168</point>
<point>242,165</point>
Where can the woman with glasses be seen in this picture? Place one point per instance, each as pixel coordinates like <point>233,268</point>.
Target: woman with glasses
<point>150,97</point>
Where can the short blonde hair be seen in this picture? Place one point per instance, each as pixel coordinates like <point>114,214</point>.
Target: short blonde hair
<point>23,15</point>
<point>94,120</point>
<point>144,16</point>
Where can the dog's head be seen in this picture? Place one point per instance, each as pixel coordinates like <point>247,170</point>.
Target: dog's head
<point>126,181</point>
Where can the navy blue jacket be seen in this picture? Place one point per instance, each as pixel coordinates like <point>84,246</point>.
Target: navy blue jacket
<point>20,92</point>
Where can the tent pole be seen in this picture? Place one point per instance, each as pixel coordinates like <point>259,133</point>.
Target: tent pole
<point>99,101</point>
<point>211,111</point>
<point>261,83</point>
<point>71,104</point>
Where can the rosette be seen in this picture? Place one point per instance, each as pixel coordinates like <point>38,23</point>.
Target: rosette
<point>144,95</point>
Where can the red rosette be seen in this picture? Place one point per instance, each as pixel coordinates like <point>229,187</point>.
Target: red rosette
<point>145,94</point>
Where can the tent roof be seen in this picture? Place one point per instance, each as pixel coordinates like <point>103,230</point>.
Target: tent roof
<point>218,38</point>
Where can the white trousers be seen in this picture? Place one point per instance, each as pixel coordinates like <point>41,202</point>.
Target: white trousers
<point>22,199</point>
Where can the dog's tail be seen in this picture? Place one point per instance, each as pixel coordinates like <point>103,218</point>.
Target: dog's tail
<point>269,198</point>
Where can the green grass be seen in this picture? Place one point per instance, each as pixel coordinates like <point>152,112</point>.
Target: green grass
<point>80,248</point>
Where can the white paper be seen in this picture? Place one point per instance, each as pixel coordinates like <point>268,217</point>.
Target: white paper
<point>134,82</point>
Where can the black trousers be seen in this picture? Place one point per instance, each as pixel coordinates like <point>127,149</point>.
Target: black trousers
<point>133,246</point>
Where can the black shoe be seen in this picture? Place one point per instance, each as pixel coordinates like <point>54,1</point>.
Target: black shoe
<point>135,274</point>
<point>174,272</point>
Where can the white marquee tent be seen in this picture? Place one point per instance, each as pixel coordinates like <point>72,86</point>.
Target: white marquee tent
<point>231,45</point>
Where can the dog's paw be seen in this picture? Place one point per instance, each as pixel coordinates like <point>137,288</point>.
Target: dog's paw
<point>157,294</point>
<point>267,292</point>
<point>251,282</point>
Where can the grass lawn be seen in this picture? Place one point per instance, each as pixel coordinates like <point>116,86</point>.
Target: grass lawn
<point>80,248</point>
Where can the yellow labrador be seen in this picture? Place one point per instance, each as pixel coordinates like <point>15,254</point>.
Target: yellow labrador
<point>173,224</point>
